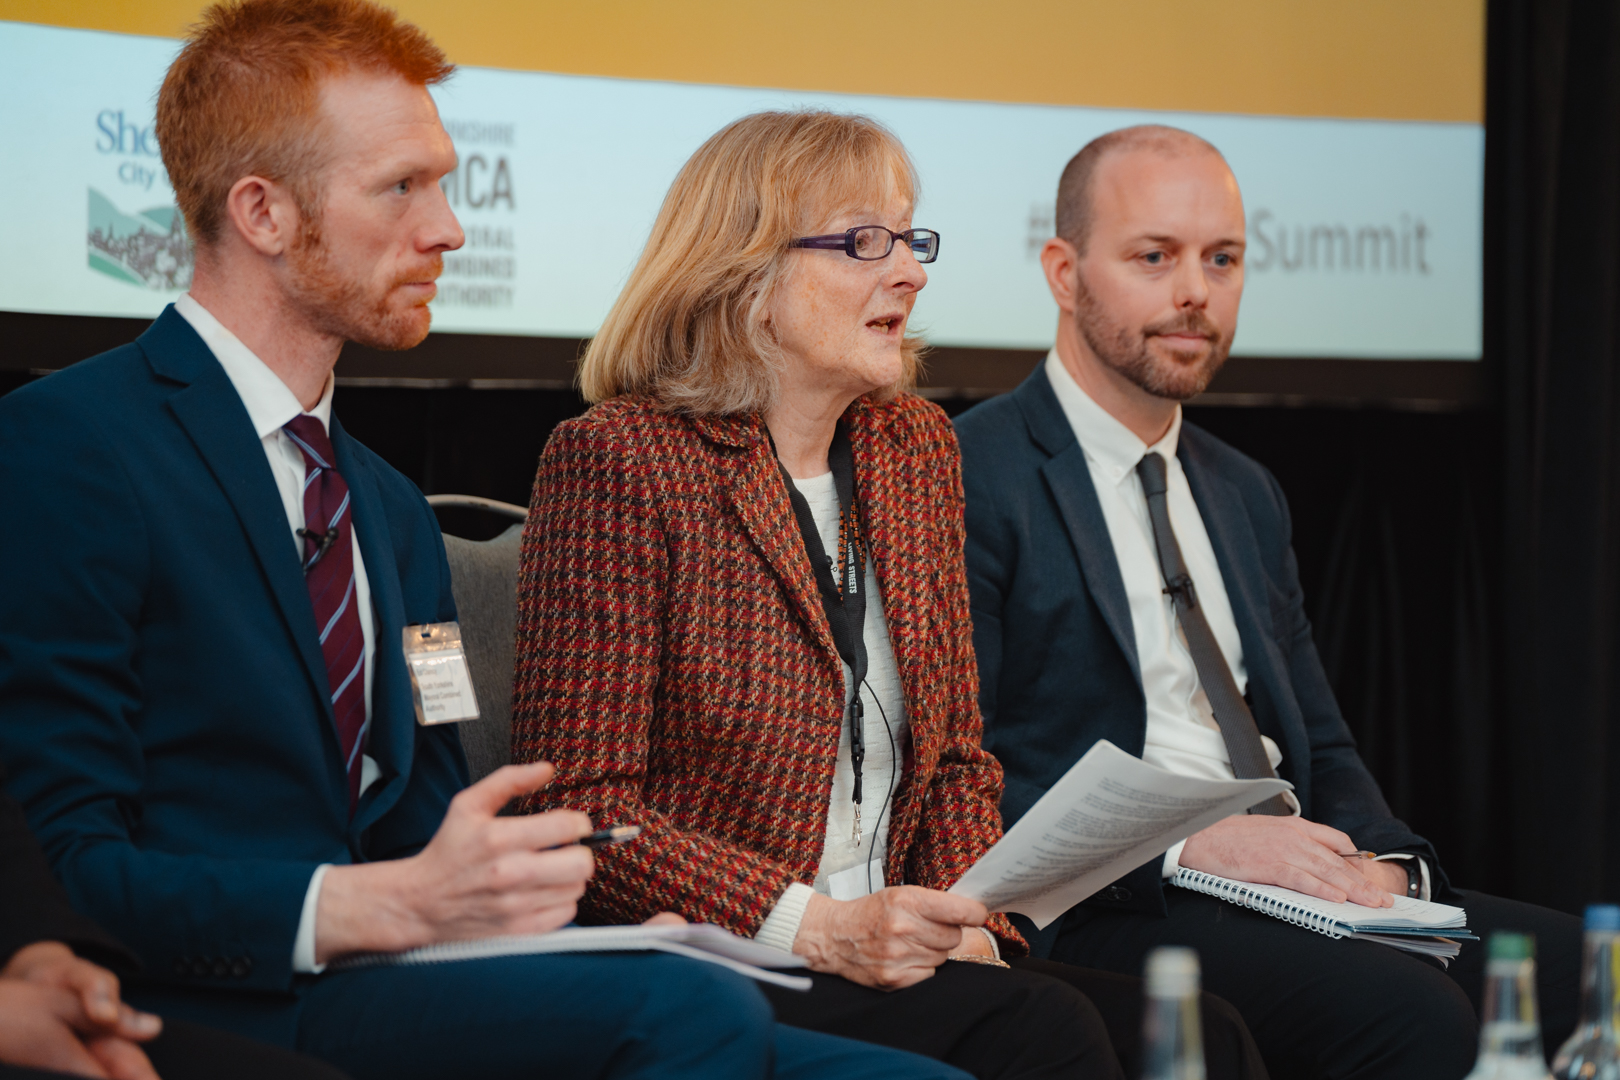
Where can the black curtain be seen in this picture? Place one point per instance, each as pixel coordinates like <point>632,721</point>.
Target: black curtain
<point>1552,302</point>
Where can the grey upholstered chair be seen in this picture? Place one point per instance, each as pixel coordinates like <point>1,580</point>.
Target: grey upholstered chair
<point>483,576</point>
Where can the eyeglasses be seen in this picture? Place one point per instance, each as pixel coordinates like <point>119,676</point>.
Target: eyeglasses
<point>869,243</point>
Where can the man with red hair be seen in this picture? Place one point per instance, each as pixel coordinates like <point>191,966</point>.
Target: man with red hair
<point>203,694</point>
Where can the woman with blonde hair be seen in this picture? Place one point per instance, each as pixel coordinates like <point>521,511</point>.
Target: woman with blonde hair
<point>743,615</point>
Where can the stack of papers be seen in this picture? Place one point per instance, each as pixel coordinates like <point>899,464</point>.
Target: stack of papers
<point>1109,814</point>
<point>698,941</point>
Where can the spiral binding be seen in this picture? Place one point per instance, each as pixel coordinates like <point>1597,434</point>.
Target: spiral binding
<point>1238,892</point>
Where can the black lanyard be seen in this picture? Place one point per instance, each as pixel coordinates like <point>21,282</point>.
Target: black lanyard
<point>846,606</point>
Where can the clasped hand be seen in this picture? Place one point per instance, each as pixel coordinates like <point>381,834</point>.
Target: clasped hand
<point>61,1013</point>
<point>891,939</point>
<point>1294,853</point>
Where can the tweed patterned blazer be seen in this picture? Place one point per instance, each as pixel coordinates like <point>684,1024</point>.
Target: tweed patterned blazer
<point>675,663</point>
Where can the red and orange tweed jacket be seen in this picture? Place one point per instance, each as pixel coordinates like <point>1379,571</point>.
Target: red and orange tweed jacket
<point>675,662</point>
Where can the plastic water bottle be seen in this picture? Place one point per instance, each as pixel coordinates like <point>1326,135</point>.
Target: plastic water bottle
<point>1173,1040</point>
<point>1593,1052</point>
<point>1510,1030</point>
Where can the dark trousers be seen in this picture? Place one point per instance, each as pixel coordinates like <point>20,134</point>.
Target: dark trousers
<point>192,1052</point>
<point>600,1015</point>
<point>1038,1020</point>
<point>1320,1007</point>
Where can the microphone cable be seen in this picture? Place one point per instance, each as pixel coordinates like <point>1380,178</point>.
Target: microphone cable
<point>894,766</point>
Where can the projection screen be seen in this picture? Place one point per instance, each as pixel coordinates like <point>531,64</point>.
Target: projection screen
<point>1364,235</point>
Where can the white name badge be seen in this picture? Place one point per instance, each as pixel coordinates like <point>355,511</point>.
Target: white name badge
<point>440,682</point>
<point>856,882</point>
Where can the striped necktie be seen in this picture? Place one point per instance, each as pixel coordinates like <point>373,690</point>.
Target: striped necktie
<point>329,574</point>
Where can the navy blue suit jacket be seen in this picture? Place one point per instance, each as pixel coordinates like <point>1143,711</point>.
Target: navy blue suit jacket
<point>164,706</point>
<point>1052,626</point>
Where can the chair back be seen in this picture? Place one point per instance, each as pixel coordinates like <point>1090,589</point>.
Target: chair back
<point>483,576</point>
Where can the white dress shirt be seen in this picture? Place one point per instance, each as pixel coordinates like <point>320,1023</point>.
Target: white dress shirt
<point>849,869</point>
<point>1182,735</point>
<point>270,405</point>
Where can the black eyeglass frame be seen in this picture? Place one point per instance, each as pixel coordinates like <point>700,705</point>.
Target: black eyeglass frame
<point>845,242</point>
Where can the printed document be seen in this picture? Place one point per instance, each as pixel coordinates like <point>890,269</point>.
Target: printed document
<point>697,941</point>
<point>1109,814</point>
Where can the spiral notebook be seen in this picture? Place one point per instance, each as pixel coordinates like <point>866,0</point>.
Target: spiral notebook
<point>1414,925</point>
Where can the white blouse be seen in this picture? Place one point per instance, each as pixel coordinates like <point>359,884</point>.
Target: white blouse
<point>852,867</point>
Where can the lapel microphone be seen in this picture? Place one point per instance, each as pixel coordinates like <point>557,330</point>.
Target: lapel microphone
<point>321,540</point>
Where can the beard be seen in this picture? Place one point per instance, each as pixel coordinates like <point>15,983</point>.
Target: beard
<point>350,306</point>
<point>1129,351</point>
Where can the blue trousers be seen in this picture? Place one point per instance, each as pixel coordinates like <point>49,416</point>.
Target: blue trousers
<point>573,1015</point>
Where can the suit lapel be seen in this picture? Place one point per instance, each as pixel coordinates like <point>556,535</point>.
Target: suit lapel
<point>1069,479</point>
<point>752,485</point>
<point>903,548</point>
<point>893,539</point>
<point>213,416</point>
<point>393,716</point>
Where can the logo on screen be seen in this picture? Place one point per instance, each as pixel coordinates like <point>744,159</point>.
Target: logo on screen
<point>483,274</point>
<point>146,249</point>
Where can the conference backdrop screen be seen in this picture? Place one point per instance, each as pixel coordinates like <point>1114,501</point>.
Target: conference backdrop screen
<point>1364,235</point>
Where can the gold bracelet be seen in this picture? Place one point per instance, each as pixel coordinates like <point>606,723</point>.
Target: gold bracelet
<point>974,958</point>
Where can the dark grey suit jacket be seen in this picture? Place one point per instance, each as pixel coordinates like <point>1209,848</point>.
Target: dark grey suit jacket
<point>1052,626</point>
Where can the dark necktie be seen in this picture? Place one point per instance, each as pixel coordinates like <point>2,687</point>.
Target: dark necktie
<point>329,574</point>
<point>1232,714</point>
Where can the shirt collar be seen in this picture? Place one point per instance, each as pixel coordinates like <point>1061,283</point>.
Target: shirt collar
<point>270,404</point>
<point>1104,439</point>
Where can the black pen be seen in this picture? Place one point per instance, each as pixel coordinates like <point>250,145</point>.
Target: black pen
<point>618,834</point>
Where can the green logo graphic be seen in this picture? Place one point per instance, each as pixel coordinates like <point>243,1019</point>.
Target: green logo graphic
<point>148,249</point>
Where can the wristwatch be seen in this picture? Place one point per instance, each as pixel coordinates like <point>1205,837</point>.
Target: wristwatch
<point>1414,877</point>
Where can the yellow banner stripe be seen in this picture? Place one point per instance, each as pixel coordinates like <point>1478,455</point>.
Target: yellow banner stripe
<point>1386,59</point>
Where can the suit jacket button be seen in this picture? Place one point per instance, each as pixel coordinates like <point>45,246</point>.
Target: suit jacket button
<point>1118,893</point>
<point>222,968</point>
<point>200,967</point>
<point>182,966</point>
<point>241,967</point>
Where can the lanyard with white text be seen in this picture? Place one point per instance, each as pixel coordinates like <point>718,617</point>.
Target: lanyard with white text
<point>846,606</point>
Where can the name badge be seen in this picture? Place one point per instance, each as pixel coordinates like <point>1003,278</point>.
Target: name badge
<point>441,685</point>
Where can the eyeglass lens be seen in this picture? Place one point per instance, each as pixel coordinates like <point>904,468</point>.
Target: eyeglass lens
<point>875,242</point>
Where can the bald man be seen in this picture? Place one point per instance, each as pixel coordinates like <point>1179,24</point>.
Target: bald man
<point>1091,622</point>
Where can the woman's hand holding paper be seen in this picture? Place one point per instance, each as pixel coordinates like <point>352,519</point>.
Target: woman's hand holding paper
<point>891,939</point>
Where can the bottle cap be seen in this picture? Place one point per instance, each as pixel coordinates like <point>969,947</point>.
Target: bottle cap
<point>1172,973</point>
<point>1604,918</point>
<point>1512,947</point>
